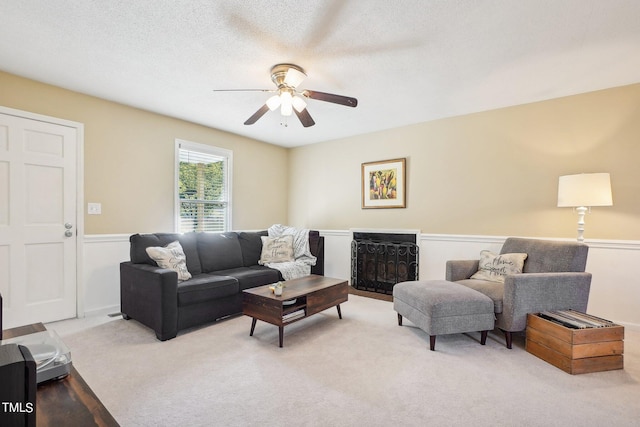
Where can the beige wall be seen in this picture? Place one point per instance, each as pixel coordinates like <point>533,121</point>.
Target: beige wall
<point>490,173</point>
<point>129,160</point>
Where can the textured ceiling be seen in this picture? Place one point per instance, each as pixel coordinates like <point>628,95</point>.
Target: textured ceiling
<point>406,61</point>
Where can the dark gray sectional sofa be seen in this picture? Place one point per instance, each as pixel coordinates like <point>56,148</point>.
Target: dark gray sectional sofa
<point>221,265</point>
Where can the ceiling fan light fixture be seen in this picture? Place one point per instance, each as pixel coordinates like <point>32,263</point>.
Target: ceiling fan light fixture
<point>286,108</point>
<point>274,102</point>
<point>294,77</point>
<point>298,103</point>
<point>289,99</point>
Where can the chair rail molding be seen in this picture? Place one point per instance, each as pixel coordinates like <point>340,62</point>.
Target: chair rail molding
<point>106,238</point>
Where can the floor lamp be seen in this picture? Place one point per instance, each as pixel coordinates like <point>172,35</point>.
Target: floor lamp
<point>583,191</point>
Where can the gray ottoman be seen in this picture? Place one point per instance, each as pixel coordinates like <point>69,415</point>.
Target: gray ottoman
<point>439,307</point>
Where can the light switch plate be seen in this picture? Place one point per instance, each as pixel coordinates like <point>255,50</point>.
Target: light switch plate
<point>94,208</point>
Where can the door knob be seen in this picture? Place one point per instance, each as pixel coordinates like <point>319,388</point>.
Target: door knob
<point>68,233</point>
<point>68,226</point>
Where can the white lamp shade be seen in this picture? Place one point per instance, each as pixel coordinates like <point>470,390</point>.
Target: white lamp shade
<point>585,189</point>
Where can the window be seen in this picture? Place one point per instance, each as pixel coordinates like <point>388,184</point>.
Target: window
<point>203,175</point>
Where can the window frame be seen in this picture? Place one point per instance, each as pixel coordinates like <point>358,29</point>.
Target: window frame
<point>228,179</point>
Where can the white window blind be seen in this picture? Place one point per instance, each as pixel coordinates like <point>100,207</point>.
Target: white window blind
<point>203,188</point>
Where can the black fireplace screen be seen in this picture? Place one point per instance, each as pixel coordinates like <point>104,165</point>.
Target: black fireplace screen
<point>380,261</point>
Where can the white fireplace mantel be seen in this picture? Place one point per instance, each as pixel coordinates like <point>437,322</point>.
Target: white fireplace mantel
<point>388,231</point>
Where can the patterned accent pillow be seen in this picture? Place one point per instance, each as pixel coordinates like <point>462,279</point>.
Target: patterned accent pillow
<point>172,257</point>
<point>276,249</point>
<point>494,267</point>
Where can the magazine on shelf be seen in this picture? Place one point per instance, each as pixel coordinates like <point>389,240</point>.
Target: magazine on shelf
<point>293,315</point>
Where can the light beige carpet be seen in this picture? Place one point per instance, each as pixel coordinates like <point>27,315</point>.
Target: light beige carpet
<point>363,370</point>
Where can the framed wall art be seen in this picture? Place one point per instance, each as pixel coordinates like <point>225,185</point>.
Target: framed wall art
<point>383,184</point>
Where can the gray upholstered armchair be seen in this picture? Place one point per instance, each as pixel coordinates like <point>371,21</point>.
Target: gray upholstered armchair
<point>552,278</point>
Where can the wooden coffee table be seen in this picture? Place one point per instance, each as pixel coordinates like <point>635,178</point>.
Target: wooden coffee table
<point>312,294</point>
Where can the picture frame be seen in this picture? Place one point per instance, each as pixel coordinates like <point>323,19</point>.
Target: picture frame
<point>384,184</point>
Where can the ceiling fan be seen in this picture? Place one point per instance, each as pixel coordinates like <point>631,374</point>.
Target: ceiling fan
<point>289,98</point>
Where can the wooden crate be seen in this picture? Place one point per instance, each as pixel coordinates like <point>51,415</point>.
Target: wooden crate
<point>575,351</point>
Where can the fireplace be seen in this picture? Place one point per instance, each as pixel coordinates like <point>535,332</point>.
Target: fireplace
<point>379,260</point>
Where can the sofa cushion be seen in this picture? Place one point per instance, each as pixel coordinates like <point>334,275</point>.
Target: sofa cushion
<point>140,242</point>
<point>189,242</point>
<point>205,287</point>
<point>171,257</point>
<point>270,273</point>
<point>250,277</point>
<point>219,251</point>
<point>494,290</point>
<point>276,249</point>
<point>494,267</point>
<point>251,245</point>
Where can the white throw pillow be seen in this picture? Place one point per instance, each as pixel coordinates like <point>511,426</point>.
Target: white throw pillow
<point>172,257</point>
<point>494,267</point>
<point>276,249</point>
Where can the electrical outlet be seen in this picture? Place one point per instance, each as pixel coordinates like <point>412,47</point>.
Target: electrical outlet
<point>94,208</point>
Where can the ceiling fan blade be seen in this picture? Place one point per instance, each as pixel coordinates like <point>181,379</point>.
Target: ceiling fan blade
<point>261,112</point>
<point>329,97</point>
<point>244,90</point>
<point>305,117</point>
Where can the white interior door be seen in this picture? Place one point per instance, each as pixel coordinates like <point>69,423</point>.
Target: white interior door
<point>38,220</point>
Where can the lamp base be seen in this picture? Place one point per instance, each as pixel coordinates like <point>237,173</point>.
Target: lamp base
<point>582,210</point>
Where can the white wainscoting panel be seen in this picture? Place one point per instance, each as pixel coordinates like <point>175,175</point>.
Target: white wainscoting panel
<point>337,253</point>
<point>437,249</point>
<point>101,271</point>
<point>615,287</point>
